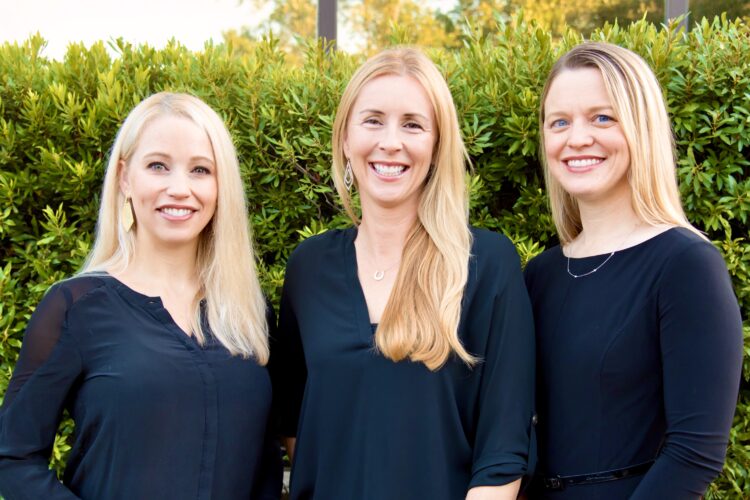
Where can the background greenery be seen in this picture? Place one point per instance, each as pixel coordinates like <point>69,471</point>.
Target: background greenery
<point>58,120</point>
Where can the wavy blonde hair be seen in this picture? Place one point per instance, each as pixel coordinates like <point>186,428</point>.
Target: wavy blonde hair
<point>421,318</point>
<point>639,108</point>
<point>235,305</point>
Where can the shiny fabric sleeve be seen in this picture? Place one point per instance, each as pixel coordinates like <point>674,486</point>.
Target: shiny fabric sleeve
<point>504,449</point>
<point>701,348</point>
<point>47,368</point>
<point>288,369</point>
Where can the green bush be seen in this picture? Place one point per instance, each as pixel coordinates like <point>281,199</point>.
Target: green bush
<point>58,120</point>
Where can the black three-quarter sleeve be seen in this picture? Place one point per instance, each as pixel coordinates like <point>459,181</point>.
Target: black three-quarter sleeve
<point>701,350</point>
<point>504,445</point>
<point>48,366</point>
<point>288,369</point>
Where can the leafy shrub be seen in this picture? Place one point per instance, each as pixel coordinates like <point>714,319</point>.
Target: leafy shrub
<point>58,120</point>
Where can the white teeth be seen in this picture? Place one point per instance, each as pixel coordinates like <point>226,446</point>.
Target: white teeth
<point>389,170</point>
<point>176,212</point>
<point>584,163</point>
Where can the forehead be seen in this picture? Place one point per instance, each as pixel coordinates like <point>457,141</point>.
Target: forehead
<point>172,130</point>
<point>577,87</point>
<point>401,94</point>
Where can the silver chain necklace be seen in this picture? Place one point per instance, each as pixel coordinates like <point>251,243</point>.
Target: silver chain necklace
<point>379,274</point>
<point>588,273</point>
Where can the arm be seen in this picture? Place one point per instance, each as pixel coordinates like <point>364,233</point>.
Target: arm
<point>48,365</point>
<point>701,347</point>
<point>507,491</point>
<point>503,449</point>
<point>288,370</point>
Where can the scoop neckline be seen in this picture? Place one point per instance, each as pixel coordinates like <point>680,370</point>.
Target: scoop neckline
<point>622,250</point>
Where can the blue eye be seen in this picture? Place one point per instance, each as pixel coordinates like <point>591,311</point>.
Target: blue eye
<point>559,123</point>
<point>413,125</point>
<point>603,119</point>
<point>201,170</point>
<point>157,166</point>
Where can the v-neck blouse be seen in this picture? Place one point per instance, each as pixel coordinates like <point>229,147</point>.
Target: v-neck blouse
<point>157,415</point>
<point>371,428</point>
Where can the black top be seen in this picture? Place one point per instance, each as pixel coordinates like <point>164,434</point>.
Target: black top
<point>370,428</point>
<point>157,415</point>
<point>639,360</point>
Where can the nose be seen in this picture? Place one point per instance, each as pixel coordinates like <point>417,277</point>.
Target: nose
<point>390,141</point>
<point>179,184</point>
<point>580,136</point>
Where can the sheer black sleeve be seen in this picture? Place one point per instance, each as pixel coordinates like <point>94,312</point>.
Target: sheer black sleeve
<point>48,367</point>
<point>288,368</point>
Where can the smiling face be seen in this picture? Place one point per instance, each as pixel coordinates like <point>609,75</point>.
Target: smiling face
<point>584,145</point>
<point>389,139</point>
<point>171,180</point>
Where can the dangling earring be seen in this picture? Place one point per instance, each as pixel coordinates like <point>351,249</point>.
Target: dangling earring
<point>127,218</point>
<point>348,175</point>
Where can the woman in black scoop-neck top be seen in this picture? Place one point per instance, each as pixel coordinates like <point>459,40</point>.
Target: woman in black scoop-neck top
<point>405,343</point>
<point>639,334</point>
<point>157,350</point>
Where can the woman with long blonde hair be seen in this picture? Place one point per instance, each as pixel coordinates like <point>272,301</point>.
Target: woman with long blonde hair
<point>158,348</point>
<point>406,342</point>
<point>638,332</point>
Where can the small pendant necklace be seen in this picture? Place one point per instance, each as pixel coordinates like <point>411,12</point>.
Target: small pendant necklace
<point>588,273</point>
<point>379,273</point>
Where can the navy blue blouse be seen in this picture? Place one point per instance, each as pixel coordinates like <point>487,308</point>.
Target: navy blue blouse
<point>156,414</point>
<point>371,428</point>
<point>638,361</point>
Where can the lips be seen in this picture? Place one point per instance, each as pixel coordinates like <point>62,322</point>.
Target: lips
<point>579,163</point>
<point>176,212</point>
<point>389,169</point>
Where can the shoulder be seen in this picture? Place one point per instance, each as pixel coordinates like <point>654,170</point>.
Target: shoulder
<point>549,257</point>
<point>684,250</point>
<point>320,243</point>
<point>71,290</point>
<point>317,252</point>
<point>490,242</point>
<point>493,259</point>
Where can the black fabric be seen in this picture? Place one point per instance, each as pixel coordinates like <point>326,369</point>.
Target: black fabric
<point>157,415</point>
<point>637,361</point>
<point>370,428</point>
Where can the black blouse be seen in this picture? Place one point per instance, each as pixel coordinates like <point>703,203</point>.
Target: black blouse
<point>638,361</point>
<point>156,414</point>
<point>371,428</point>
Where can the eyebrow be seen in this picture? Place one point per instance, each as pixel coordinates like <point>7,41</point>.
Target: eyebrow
<point>407,115</point>
<point>158,154</point>
<point>594,109</point>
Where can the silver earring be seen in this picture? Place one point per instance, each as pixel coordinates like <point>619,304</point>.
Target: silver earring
<point>348,175</point>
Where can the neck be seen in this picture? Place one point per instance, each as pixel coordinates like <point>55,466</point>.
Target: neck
<point>384,231</point>
<point>156,271</point>
<point>605,223</point>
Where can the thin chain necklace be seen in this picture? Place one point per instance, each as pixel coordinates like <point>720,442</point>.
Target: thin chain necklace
<point>588,273</point>
<point>379,273</point>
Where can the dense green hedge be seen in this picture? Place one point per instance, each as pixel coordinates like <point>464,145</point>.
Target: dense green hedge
<point>58,119</point>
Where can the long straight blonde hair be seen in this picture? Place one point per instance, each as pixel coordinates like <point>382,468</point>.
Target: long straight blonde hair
<point>235,306</point>
<point>421,318</point>
<point>639,108</point>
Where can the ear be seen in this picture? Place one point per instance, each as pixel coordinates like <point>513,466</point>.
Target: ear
<point>122,178</point>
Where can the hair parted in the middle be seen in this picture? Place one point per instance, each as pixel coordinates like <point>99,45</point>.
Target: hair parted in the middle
<point>434,264</point>
<point>235,305</point>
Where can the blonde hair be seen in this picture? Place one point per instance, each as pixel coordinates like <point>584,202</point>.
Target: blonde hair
<point>235,305</point>
<point>421,318</point>
<point>639,108</point>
